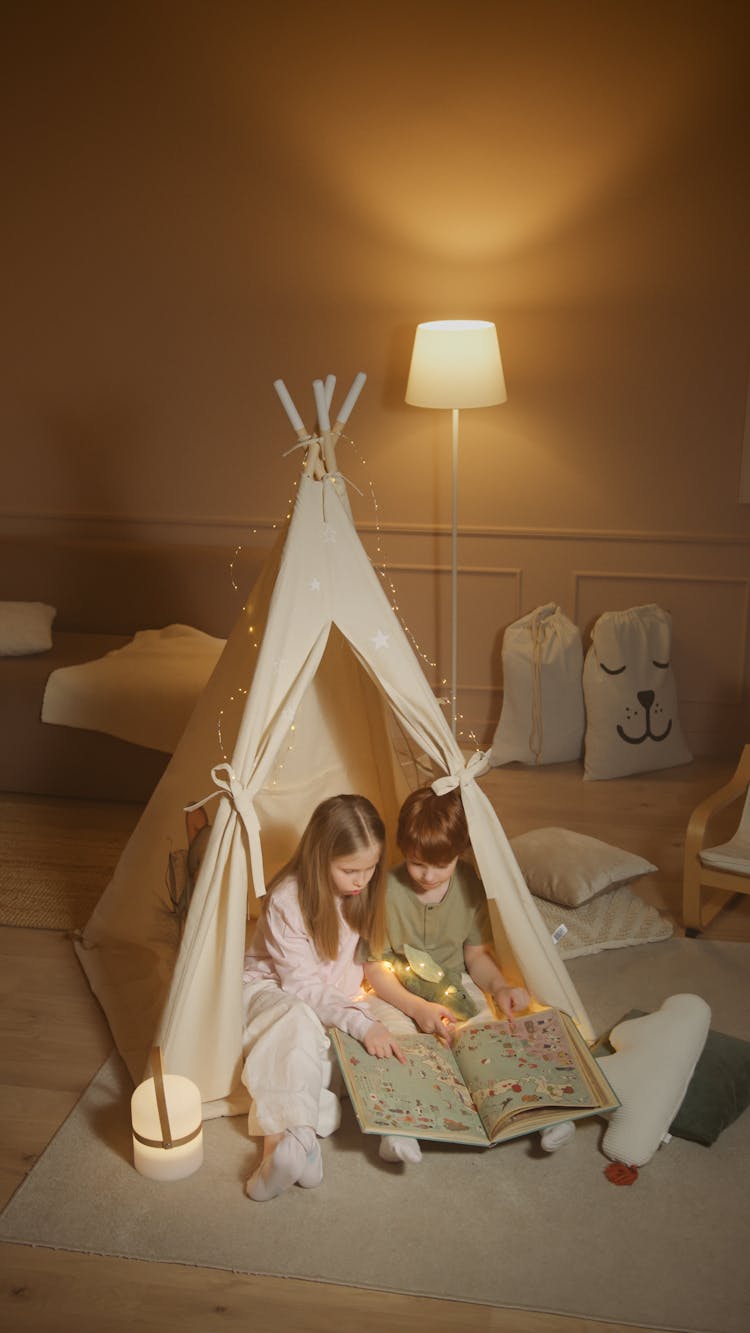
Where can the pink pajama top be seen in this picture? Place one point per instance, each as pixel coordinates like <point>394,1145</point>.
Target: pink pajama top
<point>282,951</point>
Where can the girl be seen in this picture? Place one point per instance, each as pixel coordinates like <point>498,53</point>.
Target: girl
<point>300,977</point>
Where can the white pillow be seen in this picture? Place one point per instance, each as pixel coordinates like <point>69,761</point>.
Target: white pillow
<point>569,868</point>
<point>542,719</point>
<point>25,627</point>
<point>650,1071</point>
<point>631,700</point>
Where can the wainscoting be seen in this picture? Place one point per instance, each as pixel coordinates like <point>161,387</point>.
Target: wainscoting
<point>702,579</point>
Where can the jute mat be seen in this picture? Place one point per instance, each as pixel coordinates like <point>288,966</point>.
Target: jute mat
<point>56,858</point>
<point>510,1227</point>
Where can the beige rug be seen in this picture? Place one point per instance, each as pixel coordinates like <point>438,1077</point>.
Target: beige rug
<point>510,1227</point>
<point>56,859</point>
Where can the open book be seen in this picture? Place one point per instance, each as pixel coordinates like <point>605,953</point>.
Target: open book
<point>497,1081</point>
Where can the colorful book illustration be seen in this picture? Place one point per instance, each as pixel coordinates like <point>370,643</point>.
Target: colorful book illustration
<point>497,1081</point>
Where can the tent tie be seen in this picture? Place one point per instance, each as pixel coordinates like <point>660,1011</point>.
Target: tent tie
<point>339,476</point>
<point>334,477</point>
<point>244,805</point>
<point>478,764</point>
<point>303,444</point>
<point>328,476</point>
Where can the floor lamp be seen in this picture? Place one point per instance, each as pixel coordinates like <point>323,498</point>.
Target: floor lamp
<point>455,363</point>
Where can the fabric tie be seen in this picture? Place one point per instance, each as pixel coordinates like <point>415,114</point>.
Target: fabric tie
<point>242,800</point>
<point>478,764</point>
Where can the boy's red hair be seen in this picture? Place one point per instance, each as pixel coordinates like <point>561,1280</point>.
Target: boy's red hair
<point>432,828</point>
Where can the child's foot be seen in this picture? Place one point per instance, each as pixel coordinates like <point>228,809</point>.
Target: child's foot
<point>400,1148</point>
<point>293,1160</point>
<point>312,1173</point>
<point>554,1136</point>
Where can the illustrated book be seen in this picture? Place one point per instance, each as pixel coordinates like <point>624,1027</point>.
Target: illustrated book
<point>498,1080</point>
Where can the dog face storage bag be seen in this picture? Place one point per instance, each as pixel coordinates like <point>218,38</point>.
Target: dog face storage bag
<point>542,719</point>
<point>629,691</point>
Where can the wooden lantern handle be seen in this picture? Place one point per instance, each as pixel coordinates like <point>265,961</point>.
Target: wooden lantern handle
<point>157,1070</point>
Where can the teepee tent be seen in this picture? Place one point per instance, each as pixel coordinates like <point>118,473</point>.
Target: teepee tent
<point>318,691</point>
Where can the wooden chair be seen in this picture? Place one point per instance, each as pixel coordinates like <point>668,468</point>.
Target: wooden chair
<point>726,868</point>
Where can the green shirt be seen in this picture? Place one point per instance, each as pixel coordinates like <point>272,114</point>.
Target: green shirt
<point>439,929</point>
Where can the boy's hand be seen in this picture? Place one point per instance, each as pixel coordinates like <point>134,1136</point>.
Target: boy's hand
<point>435,1018</point>
<point>378,1041</point>
<point>511,1000</point>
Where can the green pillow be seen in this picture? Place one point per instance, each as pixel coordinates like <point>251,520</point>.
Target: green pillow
<point>718,1092</point>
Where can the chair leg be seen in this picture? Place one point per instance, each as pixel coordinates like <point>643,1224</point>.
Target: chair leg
<point>691,897</point>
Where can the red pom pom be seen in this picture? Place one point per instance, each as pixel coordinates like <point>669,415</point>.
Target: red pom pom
<point>621,1174</point>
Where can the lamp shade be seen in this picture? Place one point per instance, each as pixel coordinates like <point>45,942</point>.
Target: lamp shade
<point>456,363</point>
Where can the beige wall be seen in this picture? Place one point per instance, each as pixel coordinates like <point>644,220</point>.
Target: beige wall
<point>200,197</point>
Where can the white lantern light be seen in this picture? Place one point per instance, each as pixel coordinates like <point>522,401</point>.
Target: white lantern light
<point>166,1119</point>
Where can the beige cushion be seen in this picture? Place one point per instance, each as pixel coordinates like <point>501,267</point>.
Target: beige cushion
<point>569,868</point>
<point>25,627</point>
<point>613,920</point>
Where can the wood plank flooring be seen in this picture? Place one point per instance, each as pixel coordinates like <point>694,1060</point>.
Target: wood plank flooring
<point>53,1038</point>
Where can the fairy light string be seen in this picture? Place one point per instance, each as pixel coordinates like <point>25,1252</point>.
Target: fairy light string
<point>380,564</point>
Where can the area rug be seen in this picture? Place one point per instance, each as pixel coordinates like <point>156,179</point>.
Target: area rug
<point>509,1227</point>
<point>56,859</point>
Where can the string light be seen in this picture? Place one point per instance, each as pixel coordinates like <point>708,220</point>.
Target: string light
<point>380,564</point>
<point>241,692</point>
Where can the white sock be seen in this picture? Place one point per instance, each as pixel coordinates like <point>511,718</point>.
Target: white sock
<point>290,1160</point>
<point>312,1172</point>
<point>554,1136</point>
<point>400,1148</point>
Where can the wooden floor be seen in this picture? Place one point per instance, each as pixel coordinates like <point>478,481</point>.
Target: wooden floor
<point>53,1039</point>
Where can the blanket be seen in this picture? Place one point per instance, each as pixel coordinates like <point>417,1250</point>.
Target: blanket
<point>143,693</point>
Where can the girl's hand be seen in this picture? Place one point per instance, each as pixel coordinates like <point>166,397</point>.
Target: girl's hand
<point>511,1000</point>
<point>378,1041</point>
<point>435,1018</point>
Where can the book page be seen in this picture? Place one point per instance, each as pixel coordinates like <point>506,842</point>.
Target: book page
<point>520,1064</point>
<point>425,1098</point>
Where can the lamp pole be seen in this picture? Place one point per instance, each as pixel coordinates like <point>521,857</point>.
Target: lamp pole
<point>454,576</point>
<point>455,363</point>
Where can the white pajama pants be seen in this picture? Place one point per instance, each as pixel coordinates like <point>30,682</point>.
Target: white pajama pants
<point>288,1067</point>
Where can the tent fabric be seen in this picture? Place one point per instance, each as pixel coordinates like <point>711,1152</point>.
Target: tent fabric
<point>317,692</point>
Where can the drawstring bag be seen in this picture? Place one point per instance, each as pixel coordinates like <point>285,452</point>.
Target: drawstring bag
<point>631,699</point>
<point>542,719</point>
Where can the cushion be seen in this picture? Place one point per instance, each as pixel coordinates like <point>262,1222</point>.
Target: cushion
<point>25,627</point>
<point>631,699</point>
<point>650,1071</point>
<point>542,719</point>
<point>614,920</point>
<point>569,868</point>
<point>719,1090</point>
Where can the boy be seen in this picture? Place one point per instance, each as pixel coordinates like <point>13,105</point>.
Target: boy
<point>438,931</point>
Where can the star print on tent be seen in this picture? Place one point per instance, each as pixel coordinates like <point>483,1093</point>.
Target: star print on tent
<point>316,712</point>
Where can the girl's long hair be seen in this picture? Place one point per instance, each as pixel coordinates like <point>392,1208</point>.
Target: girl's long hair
<point>341,826</point>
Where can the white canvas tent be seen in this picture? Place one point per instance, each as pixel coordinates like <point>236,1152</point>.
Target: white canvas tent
<point>317,692</point>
